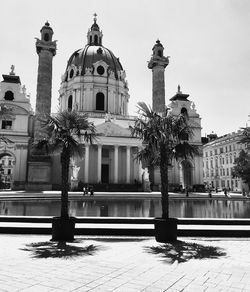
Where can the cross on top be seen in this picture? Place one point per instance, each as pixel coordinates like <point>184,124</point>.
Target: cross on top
<point>95,15</point>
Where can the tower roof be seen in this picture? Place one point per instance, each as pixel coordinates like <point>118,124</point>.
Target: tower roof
<point>46,26</point>
<point>11,78</point>
<point>95,26</point>
<point>179,95</point>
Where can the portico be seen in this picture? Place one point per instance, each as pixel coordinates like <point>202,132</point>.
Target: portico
<point>105,163</point>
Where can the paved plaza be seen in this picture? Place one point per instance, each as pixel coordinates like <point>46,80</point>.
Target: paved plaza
<point>34,263</point>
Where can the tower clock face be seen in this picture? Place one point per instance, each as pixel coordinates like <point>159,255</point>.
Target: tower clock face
<point>100,70</point>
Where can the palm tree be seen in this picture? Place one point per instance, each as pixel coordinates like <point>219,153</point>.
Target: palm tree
<point>64,131</point>
<point>165,138</point>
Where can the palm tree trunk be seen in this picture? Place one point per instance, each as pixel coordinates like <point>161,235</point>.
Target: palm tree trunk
<point>65,160</point>
<point>164,181</point>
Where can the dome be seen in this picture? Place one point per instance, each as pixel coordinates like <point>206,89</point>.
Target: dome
<point>86,57</point>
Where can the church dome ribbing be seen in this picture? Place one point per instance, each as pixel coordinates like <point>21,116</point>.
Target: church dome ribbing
<point>85,58</point>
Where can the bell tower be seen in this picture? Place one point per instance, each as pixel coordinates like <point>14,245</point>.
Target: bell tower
<point>46,50</point>
<point>158,63</point>
<point>94,34</point>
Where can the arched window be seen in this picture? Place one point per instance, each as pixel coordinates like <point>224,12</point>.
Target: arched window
<point>71,73</point>
<point>95,40</point>
<point>9,95</point>
<point>159,54</point>
<point>46,37</point>
<point>184,111</point>
<point>70,103</point>
<point>100,101</point>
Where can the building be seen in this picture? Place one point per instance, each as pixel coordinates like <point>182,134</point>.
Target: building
<point>16,120</point>
<point>94,82</point>
<point>218,160</point>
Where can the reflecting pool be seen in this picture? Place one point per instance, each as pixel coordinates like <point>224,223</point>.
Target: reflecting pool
<point>182,208</point>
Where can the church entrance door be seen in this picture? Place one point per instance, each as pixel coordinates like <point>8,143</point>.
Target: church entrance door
<point>105,173</point>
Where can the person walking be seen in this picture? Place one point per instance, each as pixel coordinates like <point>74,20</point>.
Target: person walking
<point>210,193</point>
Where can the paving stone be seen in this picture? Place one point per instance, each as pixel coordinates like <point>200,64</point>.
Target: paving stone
<point>122,265</point>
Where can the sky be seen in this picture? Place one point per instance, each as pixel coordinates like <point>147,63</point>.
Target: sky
<point>208,42</point>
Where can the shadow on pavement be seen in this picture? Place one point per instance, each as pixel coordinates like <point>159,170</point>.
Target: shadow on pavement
<point>60,249</point>
<point>182,251</point>
<point>120,239</point>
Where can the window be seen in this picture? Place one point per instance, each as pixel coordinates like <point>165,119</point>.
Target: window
<point>71,73</point>
<point>6,125</point>
<point>230,148</point>
<point>96,40</point>
<point>227,171</point>
<point>9,171</point>
<point>100,70</point>
<point>159,53</point>
<point>46,37</point>
<point>70,103</point>
<point>211,153</point>
<point>9,162</point>
<point>215,151</point>
<point>184,111</point>
<point>221,150</point>
<point>100,101</point>
<point>9,95</point>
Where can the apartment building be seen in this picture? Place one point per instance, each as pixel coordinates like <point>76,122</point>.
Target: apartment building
<point>218,161</point>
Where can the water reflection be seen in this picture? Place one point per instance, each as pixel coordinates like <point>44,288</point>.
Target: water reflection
<point>181,208</point>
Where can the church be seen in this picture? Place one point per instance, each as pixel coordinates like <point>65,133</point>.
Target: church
<point>95,83</point>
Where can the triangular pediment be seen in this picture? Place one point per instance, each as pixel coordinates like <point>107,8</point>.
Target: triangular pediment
<point>113,130</point>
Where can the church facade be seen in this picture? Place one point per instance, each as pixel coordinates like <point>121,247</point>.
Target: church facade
<point>94,82</point>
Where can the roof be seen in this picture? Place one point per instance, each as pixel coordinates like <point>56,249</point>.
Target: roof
<point>91,54</point>
<point>11,79</point>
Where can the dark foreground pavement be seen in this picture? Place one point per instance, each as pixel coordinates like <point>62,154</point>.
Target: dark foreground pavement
<point>34,263</point>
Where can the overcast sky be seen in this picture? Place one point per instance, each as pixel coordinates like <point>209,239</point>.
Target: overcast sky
<point>208,43</point>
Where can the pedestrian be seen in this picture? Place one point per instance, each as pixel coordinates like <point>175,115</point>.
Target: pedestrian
<point>186,192</point>
<point>225,192</point>
<point>210,193</point>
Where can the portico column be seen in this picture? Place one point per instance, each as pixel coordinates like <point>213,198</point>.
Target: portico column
<point>128,165</point>
<point>99,163</point>
<point>116,164</point>
<point>86,166</point>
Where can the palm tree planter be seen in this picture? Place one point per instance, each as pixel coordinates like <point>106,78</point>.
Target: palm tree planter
<point>63,229</point>
<point>63,135</point>
<point>165,137</point>
<point>165,229</point>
